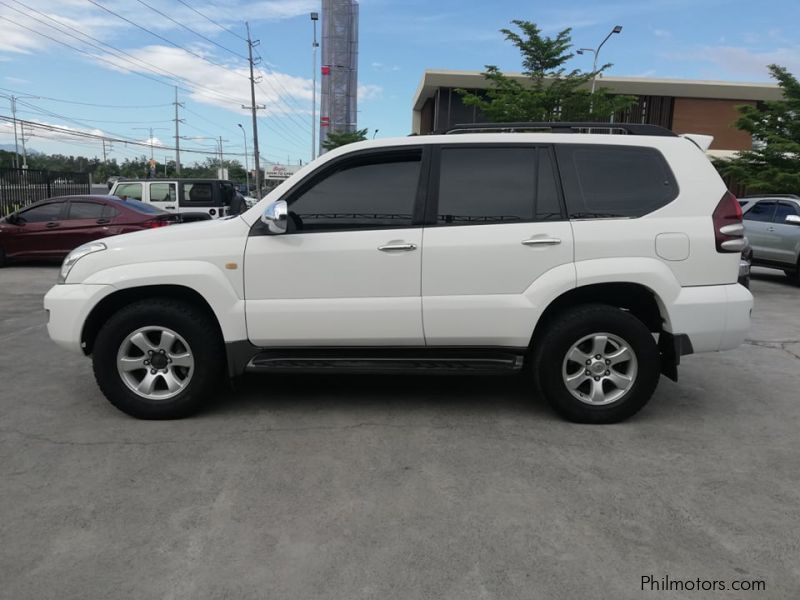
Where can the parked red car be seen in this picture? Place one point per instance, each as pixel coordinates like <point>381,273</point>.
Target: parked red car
<point>51,228</point>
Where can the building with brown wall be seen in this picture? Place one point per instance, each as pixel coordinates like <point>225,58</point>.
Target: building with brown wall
<point>682,105</point>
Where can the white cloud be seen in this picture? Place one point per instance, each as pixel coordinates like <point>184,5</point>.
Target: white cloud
<point>662,33</point>
<point>369,91</point>
<point>101,24</point>
<point>16,80</point>
<point>736,61</point>
<point>227,86</point>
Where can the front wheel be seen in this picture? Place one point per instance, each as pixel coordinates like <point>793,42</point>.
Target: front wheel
<point>158,359</point>
<point>597,364</point>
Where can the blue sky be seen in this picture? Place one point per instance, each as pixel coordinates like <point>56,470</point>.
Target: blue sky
<point>694,39</point>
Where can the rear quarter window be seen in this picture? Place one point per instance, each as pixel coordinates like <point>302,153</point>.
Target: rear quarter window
<point>614,181</point>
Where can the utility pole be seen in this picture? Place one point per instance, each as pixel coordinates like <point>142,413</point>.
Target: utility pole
<point>24,152</point>
<point>314,46</point>
<point>221,158</point>
<point>253,108</point>
<point>105,161</point>
<point>177,135</point>
<point>14,118</point>
<point>150,130</point>
<point>246,170</point>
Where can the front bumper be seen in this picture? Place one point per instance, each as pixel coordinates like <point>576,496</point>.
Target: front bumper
<point>68,306</point>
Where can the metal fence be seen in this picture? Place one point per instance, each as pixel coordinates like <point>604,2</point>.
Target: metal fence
<point>20,187</point>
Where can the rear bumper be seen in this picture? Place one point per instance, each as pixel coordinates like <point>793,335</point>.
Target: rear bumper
<point>714,317</point>
<point>68,306</point>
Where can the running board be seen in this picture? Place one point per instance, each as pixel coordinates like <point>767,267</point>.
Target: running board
<point>368,360</point>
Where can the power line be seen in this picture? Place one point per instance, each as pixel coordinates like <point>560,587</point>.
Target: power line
<point>132,60</point>
<point>129,106</point>
<point>161,37</point>
<point>210,20</point>
<point>189,29</point>
<point>87,135</point>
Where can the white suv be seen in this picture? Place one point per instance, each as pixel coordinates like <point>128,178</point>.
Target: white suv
<point>589,262</point>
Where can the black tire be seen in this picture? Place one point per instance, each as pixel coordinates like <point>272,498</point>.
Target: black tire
<point>199,330</point>
<point>2,258</point>
<point>794,276</point>
<point>567,329</point>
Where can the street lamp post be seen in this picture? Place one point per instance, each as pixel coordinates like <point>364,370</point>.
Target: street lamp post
<point>596,53</point>
<point>246,171</point>
<point>314,46</point>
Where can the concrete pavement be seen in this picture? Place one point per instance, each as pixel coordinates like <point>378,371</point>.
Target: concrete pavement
<point>397,487</point>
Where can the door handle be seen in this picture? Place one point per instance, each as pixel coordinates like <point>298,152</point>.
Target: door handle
<point>770,229</point>
<point>102,221</point>
<point>541,242</point>
<point>52,225</point>
<point>397,247</point>
<point>170,207</point>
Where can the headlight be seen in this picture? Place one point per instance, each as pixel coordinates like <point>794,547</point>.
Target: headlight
<point>76,255</point>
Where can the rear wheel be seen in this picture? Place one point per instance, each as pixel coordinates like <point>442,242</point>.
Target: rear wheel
<point>596,364</point>
<point>158,359</point>
<point>2,258</point>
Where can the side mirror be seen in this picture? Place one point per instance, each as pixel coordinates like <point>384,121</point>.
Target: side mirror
<point>14,219</point>
<point>792,220</point>
<point>276,216</point>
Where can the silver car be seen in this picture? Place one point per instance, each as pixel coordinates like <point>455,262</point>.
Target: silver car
<point>772,224</point>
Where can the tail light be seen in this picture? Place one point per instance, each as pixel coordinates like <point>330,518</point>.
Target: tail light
<point>156,223</point>
<point>728,228</point>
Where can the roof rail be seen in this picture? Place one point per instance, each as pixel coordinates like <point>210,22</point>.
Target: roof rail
<point>754,196</point>
<point>561,127</point>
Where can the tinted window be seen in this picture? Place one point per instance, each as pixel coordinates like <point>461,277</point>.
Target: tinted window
<point>548,205</point>
<point>369,193</point>
<point>129,190</point>
<point>625,181</point>
<point>762,211</point>
<point>109,212</point>
<point>43,213</point>
<point>162,192</point>
<point>200,194</point>
<point>85,210</point>
<point>784,210</point>
<point>486,185</point>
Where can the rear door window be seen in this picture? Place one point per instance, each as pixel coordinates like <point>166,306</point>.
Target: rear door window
<point>85,211</point>
<point>614,181</point>
<point>162,192</point>
<point>198,194</point>
<point>493,184</point>
<point>762,211</point>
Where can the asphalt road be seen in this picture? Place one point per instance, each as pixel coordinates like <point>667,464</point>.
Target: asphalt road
<point>402,487</point>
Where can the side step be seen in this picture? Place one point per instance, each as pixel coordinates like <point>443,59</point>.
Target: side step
<point>382,360</point>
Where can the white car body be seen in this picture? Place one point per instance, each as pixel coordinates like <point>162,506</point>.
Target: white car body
<point>473,286</point>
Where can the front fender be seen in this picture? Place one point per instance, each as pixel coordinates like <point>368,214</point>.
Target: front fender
<point>206,279</point>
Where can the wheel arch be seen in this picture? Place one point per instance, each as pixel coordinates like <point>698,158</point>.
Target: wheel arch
<point>635,298</point>
<point>116,300</point>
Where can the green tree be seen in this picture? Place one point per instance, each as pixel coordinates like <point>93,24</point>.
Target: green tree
<point>342,138</point>
<point>551,92</point>
<point>773,165</point>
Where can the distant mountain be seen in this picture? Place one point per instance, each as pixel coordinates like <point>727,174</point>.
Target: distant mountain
<point>10,148</point>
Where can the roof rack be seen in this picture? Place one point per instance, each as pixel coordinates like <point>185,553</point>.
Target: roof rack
<point>561,127</point>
